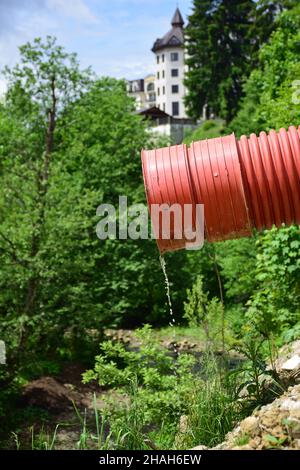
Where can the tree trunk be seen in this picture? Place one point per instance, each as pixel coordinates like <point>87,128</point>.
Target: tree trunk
<point>42,185</point>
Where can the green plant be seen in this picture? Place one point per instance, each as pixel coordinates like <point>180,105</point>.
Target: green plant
<point>257,384</point>
<point>43,440</point>
<point>275,442</point>
<point>16,440</point>
<point>269,92</point>
<point>157,389</point>
<point>129,423</point>
<point>213,410</point>
<point>242,440</point>
<point>207,130</point>
<point>163,379</point>
<point>201,312</point>
<point>156,384</point>
<point>274,306</point>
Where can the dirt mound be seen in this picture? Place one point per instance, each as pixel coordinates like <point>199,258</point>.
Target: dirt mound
<point>56,394</point>
<point>48,393</point>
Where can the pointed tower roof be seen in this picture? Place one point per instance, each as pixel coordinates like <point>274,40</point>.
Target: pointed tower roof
<point>174,37</point>
<point>177,19</point>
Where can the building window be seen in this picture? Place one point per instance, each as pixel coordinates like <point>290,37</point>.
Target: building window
<point>163,57</point>
<point>175,89</point>
<point>157,59</point>
<point>175,108</point>
<point>158,75</point>
<point>164,90</point>
<point>164,106</point>
<point>174,72</point>
<point>163,74</point>
<point>150,86</point>
<point>158,91</point>
<point>174,56</point>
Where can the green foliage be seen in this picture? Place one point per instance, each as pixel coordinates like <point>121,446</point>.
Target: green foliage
<point>212,410</point>
<point>69,142</point>
<point>208,130</point>
<point>199,311</point>
<point>164,381</point>
<point>252,373</point>
<point>237,260</point>
<point>223,38</point>
<point>41,440</point>
<point>270,92</point>
<point>274,307</point>
<point>158,389</point>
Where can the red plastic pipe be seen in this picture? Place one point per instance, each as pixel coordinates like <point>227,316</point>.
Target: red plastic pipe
<point>243,184</point>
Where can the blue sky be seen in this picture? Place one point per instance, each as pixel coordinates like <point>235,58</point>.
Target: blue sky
<point>113,36</point>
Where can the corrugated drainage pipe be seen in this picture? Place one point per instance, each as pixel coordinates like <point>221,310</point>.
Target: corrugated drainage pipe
<point>243,184</point>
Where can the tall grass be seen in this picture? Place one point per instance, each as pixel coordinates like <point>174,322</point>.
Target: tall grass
<point>213,409</point>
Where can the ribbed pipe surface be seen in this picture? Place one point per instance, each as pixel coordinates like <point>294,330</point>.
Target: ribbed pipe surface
<point>245,184</point>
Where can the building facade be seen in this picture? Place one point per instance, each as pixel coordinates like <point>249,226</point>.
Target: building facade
<point>143,91</point>
<point>170,69</point>
<point>150,95</point>
<point>135,89</point>
<point>160,97</point>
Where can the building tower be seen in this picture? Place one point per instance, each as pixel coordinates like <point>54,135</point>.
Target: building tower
<point>170,67</point>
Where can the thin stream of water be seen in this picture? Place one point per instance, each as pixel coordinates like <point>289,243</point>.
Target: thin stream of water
<point>168,292</point>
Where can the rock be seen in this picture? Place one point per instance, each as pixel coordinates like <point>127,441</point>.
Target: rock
<point>293,426</point>
<point>289,405</point>
<point>255,443</point>
<point>269,418</point>
<point>287,365</point>
<point>291,363</point>
<point>250,426</point>
<point>200,448</point>
<point>245,447</point>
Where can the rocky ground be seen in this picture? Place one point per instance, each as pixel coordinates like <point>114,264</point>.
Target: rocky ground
<point>276,425</point>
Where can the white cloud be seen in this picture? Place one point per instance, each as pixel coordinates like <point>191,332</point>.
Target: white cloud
<point>113,36</point>
<point>76,9</point>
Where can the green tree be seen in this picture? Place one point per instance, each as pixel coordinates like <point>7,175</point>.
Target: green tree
<point>39,89</point>
<point>223,41</point>
<point>272,90</point>
<point>218,55</point>
<point>68,143</point>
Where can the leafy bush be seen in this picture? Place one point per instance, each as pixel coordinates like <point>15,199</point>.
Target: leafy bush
<point>164,381</point>
<point>207,130</point>
<point>203,313</point>
<point>274,307</point>
<point>156,391</point>
<point>269,91</point>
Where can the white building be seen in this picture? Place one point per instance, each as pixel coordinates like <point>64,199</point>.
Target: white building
<point>143,91</point>
<point>170,69</point>
<point>149,88</point>
<point>160,97</point>
<point>135,89</point>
